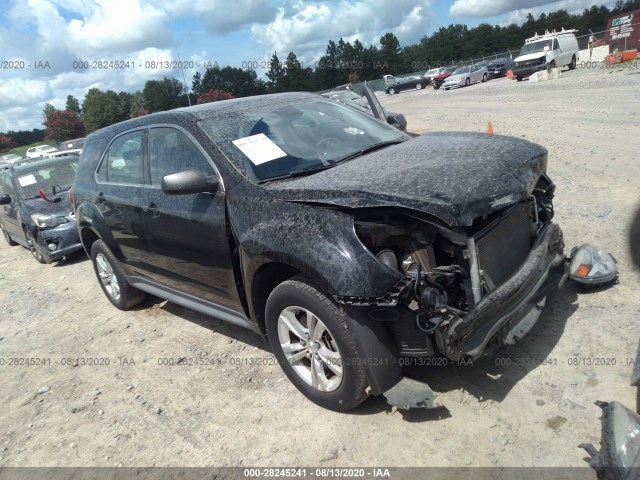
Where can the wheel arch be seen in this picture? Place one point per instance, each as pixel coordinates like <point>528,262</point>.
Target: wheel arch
<point>265,279</point>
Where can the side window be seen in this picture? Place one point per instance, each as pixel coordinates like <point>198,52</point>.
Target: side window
<point>123,160</point>
<point>6,186</point>
<point>172,151</point>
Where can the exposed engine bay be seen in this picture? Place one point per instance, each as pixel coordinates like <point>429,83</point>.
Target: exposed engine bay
<point>450,270</point>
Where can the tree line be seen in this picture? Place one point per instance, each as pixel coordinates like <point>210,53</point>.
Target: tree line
<point>343,62</point>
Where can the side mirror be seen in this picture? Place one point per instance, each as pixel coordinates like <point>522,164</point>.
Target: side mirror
<point>188,181</point>
<point>5,199</point>
<point>546,48</point>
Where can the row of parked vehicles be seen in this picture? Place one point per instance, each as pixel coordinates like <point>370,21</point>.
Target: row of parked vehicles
<point>540,52</point>
<point>451,76</point>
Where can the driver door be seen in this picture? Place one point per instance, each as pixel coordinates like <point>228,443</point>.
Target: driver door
<point>187,234</point>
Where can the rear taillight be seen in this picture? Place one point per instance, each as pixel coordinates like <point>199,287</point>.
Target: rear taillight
<point>72,199</point>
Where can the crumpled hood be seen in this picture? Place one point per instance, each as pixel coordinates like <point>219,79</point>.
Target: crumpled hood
<point>530,56</point>
<point>456,176</point>
<point>38,205</point>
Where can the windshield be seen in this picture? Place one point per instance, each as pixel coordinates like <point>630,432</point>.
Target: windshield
<point>461,70</point>
<point>275,140</point>
<point>58,175</point>
<point>535,47</point>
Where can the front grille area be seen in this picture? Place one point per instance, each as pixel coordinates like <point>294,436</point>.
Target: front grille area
<point>504,244</point>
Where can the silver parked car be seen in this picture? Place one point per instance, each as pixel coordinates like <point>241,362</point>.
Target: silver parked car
<point>465,76</point>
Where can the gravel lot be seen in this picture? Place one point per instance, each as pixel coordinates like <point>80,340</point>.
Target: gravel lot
<point>121,405</point>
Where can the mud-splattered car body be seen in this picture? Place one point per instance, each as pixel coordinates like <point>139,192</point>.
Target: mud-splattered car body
<point>438,245</point>
<point>35,211</point>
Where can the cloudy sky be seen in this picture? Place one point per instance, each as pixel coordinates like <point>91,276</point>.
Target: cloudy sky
<point>43,42</point>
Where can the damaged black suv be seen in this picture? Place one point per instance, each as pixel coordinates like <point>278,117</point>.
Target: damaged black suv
<point>346,243</point>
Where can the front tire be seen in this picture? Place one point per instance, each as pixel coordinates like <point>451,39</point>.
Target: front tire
<point>392,91</point>
<point>467,82</point>
<point>311,338</point>
<point>484,78</point>
<point>32,243</point>
<point>112,279</point>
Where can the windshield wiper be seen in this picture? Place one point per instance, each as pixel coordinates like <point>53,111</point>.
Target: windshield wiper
<point>297,173</point>
<point>369,149</point>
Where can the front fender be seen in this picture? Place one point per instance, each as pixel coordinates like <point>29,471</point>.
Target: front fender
<point>319,242</point>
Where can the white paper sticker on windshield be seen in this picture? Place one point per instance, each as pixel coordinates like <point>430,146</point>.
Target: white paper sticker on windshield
<point>27,180</point>
<point>259,148</point>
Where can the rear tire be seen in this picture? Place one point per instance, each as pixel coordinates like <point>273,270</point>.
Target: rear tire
<point>7,236</point>
<point>314,345</point>
<point>519,78</point>
<point>392,91</point>
<point>112,279</point>
<point>572,65</point>
<point>418,86</point>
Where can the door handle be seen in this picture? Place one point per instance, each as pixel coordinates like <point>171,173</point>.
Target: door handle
<point>152,210</point>
<point>101,198</point>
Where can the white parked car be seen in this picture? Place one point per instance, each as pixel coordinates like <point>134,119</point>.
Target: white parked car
<point>465,76</point>
<point>40,150</point>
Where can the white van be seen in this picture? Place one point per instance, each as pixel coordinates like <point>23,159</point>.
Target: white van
<point>551,50</point>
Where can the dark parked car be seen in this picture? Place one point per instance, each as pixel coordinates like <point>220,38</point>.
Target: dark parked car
<point>499,68</point>
<point>408,83</point>
<point>74,144</point>
<point>360,103</point>
<point>346,243</point>
<point>35,210</point>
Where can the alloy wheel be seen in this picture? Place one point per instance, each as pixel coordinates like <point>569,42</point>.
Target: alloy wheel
<point>108,277</point>
<point>310,348</point>
<point>31,242</point>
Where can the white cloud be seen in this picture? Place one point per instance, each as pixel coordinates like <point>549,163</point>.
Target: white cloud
<point>118,26</point>
<point>517,9</point>
<point>571,6</point>
<point>306,27</point>
<point>490,8</point>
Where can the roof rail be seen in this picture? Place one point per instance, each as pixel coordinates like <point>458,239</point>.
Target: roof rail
<point>548,34</point>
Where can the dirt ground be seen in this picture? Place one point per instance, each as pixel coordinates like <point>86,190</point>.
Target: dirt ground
<point>124,404</point>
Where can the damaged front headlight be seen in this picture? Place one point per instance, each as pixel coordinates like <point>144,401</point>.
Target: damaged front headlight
<point>43,220</point>
<point>591,266</point>
<point>619,457</point>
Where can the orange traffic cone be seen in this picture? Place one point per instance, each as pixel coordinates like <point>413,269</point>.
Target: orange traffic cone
<point>490,128</point>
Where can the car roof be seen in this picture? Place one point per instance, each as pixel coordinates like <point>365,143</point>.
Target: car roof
<point>205,111</point>
<point>41,163</point>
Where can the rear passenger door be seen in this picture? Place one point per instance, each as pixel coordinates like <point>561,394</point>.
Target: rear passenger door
<point>120,179</point>
<point>187,233</point>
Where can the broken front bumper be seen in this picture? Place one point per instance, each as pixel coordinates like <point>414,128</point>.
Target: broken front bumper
<point>55,243</point>
<point>506,314</point>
